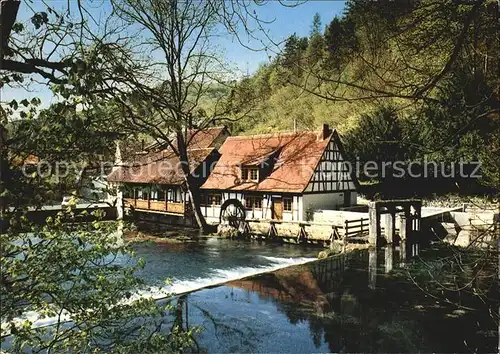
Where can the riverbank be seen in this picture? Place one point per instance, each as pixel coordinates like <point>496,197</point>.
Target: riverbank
<point>159,237</point>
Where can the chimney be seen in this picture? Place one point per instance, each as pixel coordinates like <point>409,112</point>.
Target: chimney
<point>326,131</point>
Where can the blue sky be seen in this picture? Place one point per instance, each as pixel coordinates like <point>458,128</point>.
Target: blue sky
<point>287,20</point>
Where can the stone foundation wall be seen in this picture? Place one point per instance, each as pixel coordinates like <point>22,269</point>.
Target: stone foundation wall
<point>291,230</point>
<point>163,218</point>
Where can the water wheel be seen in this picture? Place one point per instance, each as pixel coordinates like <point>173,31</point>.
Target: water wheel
<point>233,214</point>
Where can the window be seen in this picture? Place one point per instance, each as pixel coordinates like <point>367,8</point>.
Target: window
<point>213,199</point>
<point>250,174</point>
<point>287,204</point>
<point>253,202</point>
<point>244,174</point>
<point>139,193</point>
<point>172,195</point>
<point>254,174</point>
<point>155,193</point>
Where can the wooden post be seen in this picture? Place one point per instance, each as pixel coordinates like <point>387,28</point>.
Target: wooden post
<point>388,258</point>
<point>403,228</point>
<point>372,267</point>
<point>272,233</point>
<point>402,252</point>
<point>405,235</point>
<point>390,226</point>
<point>418,215</point>
<point>301,235</point>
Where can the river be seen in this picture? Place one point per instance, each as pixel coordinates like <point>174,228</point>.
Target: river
<point>359,302</point>
<point>250,296</point>
<point>211,261</point>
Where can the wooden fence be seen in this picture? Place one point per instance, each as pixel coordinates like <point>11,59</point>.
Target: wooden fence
<point>307,230</point>
<point>356,228</point>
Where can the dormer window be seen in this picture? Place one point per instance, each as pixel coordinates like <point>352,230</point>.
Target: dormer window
<point>250,174</point>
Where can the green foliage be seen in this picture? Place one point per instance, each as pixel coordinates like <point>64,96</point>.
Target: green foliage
<point>77,275</point>
<point>72,275</point>
<point>378,137</point>
<point>340,41</point>
<point>460,127</point>
<point>316,24</point>
<point>426,62</point>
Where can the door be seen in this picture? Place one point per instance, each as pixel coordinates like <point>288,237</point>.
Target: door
<point>278,208</point>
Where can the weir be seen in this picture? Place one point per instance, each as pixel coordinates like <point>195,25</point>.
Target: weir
<point>409,213</point>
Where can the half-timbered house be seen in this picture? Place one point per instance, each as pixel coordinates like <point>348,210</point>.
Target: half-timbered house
<point>283,176</point>
<point>152,180</point>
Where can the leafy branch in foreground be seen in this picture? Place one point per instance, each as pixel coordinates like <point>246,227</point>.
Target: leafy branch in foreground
<point>72,287</point>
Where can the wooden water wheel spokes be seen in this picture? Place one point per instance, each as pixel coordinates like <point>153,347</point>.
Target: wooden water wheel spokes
<point>233,214</point>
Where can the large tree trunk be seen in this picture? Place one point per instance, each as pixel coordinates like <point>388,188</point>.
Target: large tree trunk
<point>8,14</point>
<point>191,185</point>
<point>194,197</point>
<point>3,166</point>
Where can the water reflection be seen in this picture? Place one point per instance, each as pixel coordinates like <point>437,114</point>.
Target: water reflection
<point>408,250</point>
<point>372,268</point>
<point>389,258</point>
<point>347,303</point>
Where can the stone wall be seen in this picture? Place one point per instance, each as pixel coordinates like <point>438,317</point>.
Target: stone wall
<point>315,232</point>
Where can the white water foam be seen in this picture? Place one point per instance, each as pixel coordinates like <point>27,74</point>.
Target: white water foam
<point>225,275</point>
<point>180,286</point>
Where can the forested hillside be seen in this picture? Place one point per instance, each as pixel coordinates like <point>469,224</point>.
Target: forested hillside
<point>400,80</point>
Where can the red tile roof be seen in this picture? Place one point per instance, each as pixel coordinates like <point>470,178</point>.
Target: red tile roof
<point>163,166</point>
<point>296,156</point>
<point>196,139</point>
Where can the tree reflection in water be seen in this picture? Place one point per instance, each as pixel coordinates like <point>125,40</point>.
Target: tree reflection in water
<point>354,312</point>
<point>358,302</point>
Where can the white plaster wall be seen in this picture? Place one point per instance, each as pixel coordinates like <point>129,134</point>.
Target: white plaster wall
<point>300,211</point>
<point>322,201</point>
<point>337,217</point>
<point>269,206</point>
<point>288,215</point>
<point>212,213</point>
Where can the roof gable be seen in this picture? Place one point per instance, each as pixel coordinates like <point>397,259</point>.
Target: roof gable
<point>296,156</point>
